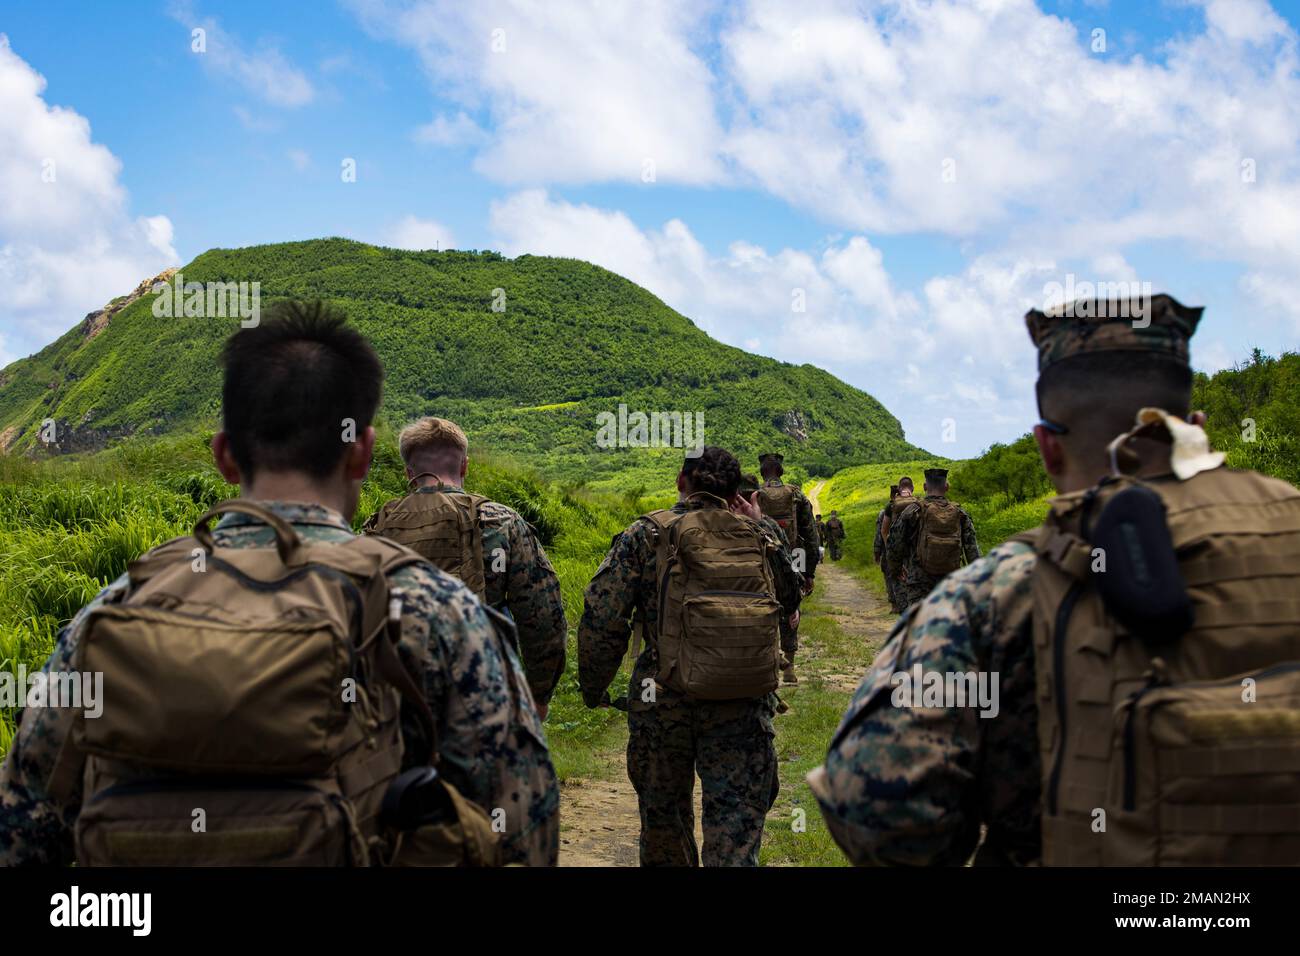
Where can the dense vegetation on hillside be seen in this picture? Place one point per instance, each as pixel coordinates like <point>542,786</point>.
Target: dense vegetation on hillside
<point>573,341</point>
<point>69,528</point>
<point>1253,413</point>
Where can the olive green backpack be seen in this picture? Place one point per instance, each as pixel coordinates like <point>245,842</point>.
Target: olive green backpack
<point>442,527</point>
<point>1183,751</point>
<point>938,537</point>
<point>253,714</point>
<point>718,618</point>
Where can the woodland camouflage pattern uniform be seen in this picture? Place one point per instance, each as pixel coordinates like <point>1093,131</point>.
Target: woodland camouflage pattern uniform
<point>789,636</point>
<point>834,535</point>
<point>491,742</point>
<point>912,786</point>
<point>882,559</point>
<point>808,539</point>
<point>527,588</point>
<point>913,582</point>
<point>728,742</point>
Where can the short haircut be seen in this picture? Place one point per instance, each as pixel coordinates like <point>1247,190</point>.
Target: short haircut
<point>295,385</point>
<point>905,482</point>
<point>714,470</point>
<point>771,467</point>
<point>433,444</point>
<point>1097,395</point>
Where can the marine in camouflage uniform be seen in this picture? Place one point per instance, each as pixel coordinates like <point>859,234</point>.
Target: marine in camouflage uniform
<point>806,551</point>
<point>672,737</point>
<point>771,465</point>
<point>834,535</point>
<point>882,560</point>
<point>912,786</point>
<point>491,743</point>
<point>789,633</point>
<point>526,588</point>
<point>914,582</point>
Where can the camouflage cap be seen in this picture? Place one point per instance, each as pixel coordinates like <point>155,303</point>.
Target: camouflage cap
<point>771,456</point>
<point>936,474</point>
<point>1157,324</point>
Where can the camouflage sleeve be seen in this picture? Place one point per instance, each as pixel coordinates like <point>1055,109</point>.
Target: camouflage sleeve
<point>607,608</point>
<point>909,779</point>
<point>788,581</point>
<point>808,539</point>
<point>34,827</point>
<point>969,545</point>
<point>902,536</point>
<point>491,743</point>
<point>533,597</point>
<point>878,545</point>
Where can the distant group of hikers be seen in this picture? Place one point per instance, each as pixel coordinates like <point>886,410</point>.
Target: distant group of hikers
<point>1117,686</point>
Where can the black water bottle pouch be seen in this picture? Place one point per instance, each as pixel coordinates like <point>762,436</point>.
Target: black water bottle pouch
<point>1142,586</point>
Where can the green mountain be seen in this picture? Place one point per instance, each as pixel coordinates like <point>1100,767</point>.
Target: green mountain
<point>524,353</point>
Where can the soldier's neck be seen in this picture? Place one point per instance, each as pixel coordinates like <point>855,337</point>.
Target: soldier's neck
<point>1153,461</point>
<point>431,481</point>
<point>293,487</point>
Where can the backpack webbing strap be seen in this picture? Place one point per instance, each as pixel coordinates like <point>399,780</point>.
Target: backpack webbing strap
<point>662,521</point>
<point>287,541</point>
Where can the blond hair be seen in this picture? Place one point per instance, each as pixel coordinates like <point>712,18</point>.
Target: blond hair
<point>430,440</point>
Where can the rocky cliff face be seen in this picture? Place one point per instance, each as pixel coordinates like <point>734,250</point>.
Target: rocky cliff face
<point>793,424</point>
<point>97,321</point>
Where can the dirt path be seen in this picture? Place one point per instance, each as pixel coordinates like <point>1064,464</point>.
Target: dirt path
<point>599,821</point>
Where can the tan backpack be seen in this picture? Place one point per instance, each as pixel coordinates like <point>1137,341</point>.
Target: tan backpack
<point>893,511</point>
<point>253,714</point>
<point>938,537</point>
<point>1186,750</point>
<point>441,526</point>
<point>719,623</point>
<point>778,502</point>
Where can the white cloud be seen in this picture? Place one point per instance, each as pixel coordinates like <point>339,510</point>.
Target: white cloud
<point>861,111</point>
<point>67,241</point>
<point>459,130</point>
<point>576,92</point>
<point>412,232</point>
<point>264,72</point>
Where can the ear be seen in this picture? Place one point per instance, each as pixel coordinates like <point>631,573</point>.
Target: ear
<point>1049,446</point>
<point>410,472</point>
<point>681,481</point>
<point>224,460</point>
<point>464,468</point>
<point>357,464</point>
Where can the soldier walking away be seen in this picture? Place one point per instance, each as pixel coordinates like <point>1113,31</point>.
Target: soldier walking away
<point>342,681</point>
<point>1132,659</point>
<point>931,537</point>
<point>789,508</point>
<point>893,575</point>
<point>821,538</point>
<point>485,544</point>
<point>748,489</point>
<point>699,700</point>
<point>835,534</point>
<point>878,549</point>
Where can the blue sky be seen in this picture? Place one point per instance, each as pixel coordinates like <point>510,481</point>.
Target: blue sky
<point>798,151</point>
